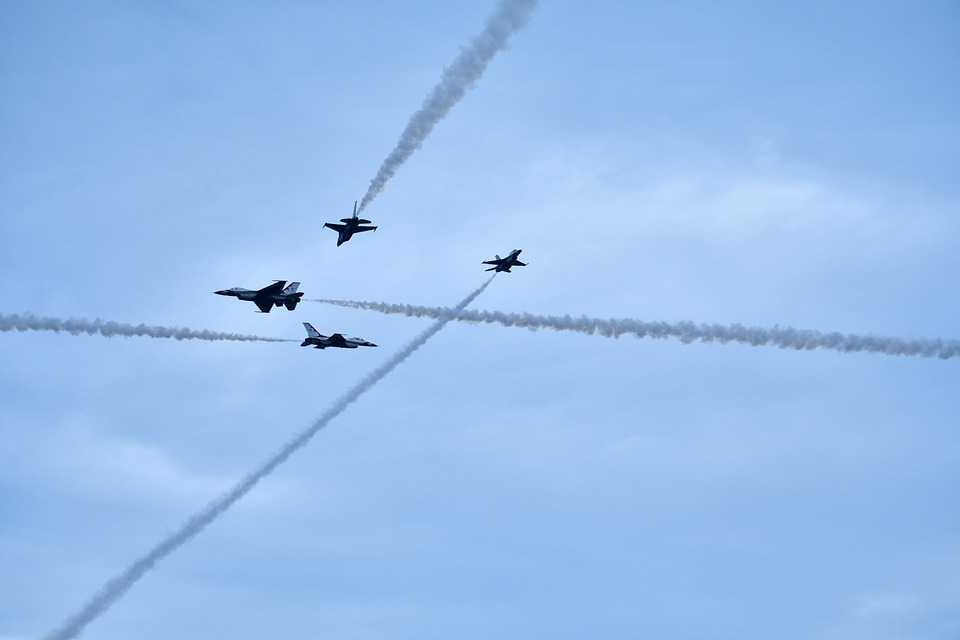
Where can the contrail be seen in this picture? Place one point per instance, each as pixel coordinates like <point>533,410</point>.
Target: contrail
<point>109,329</point>
<point>113,590</point>
<point>462,74</point>
<point>686,332</point>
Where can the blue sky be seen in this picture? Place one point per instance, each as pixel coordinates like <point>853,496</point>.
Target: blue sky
<point>792,164</point>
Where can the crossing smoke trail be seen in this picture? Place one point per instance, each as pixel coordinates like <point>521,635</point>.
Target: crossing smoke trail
<point>109,329</point>
<point>462,74</point>
<point>118,586</point>
<point>686,332</point>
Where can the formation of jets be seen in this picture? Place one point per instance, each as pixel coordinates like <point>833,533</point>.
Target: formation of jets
<point>350,226</point>
<point>504,264</point>
<point>280,294</point>
<point>271,296</point>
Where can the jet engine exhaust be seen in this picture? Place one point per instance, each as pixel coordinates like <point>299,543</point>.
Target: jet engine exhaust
<point>462,74</point>
<point>109,329</point>
<point>115,589</point>
<point>686,331</point>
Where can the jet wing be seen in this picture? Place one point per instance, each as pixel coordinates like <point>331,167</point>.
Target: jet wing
<point>265,304</point>
<point>276,287</point>
<point>520,264</point>
<point>496,262</point>
<point>361,228</point>
<point>335,227</point>
<point>337,340</point>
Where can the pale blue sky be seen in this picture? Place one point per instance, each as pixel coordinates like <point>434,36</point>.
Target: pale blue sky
<point>761,163</point>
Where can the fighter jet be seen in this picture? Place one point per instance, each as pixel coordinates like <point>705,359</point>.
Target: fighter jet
<point>350,226</point>
<point>504,264</point>
<point>320,341</point>
<point>268,297</point>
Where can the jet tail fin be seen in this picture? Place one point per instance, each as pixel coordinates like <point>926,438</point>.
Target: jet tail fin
<point>313,333</point>
<point>291,288</point>
<point>355,208</point>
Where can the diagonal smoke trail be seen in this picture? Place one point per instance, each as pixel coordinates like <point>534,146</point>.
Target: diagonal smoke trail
<point>108,329</point>
<point>462,74</point>
<point>118,586</point>
<point>686,332</point>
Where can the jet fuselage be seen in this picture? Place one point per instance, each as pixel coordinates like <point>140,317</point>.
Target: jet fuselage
<point>273,295</point>
<point>319,341</point>
<point>350,226</point>
<point>504,264</point>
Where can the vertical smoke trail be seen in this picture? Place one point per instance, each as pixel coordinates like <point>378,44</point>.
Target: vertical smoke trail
<point>686,332</point>
<point>462,74</point>
<point>108,329</point>
<point>118,586</point>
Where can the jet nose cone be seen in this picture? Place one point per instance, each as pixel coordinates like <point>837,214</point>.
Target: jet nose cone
<point>220,293</point>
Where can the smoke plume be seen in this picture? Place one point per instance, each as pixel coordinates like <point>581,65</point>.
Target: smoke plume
<point>462,74</point>
<point>113,590</point>
<point>686,332</point>
<point>109,329</point>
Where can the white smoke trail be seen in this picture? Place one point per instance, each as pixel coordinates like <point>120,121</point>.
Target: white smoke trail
<point>113,590</point>
<point>462,74</point>
<point>109,329</point>
<point>686,332</point>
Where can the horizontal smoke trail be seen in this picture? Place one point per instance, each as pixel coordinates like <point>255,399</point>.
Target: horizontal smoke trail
<point>686,332</point>
<point>111,592</point>
<point>109,329</point>
<point>462,74</point>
